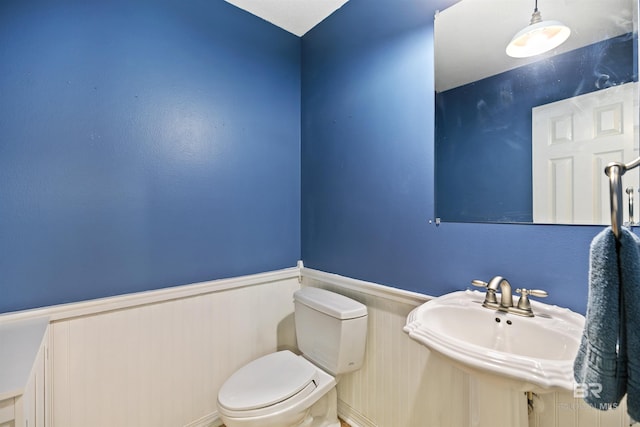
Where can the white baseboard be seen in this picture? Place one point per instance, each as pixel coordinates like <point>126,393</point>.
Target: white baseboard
<point>210,420</point>
<point>353,417</point>
<point>348,414</point>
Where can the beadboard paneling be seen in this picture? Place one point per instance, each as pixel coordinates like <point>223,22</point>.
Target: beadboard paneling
<point>159,358</point>
<point>161,364</point>
<point>402,383</point>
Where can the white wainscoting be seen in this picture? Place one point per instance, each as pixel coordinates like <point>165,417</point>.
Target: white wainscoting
<point>403,384</point>
<point>160,362</point>
<point>158,358</point>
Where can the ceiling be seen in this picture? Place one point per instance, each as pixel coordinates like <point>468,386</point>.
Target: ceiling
<point>471,35</point>
<point>295,16</point>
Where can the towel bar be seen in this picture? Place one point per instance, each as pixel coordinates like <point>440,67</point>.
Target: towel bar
<point>615,171</point>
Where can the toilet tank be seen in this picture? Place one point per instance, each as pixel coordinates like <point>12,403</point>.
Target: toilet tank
<point>331,329</point>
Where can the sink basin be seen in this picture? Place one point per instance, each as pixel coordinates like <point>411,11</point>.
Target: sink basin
<point>525,353</point>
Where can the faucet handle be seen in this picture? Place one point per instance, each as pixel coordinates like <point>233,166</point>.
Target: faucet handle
<point>533,292</point>
<point>479,283</point>
<point>524,303</point>
<point>490,296</point>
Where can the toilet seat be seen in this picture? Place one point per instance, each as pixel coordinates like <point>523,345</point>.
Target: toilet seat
<point>272,380</point>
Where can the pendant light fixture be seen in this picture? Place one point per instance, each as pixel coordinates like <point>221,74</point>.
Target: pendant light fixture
<point>538,37</point>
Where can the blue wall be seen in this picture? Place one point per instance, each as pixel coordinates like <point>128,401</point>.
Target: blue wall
<point>483,129</point>
<point>143,144</point>
<point>368,168</point>
<point>152,143</point>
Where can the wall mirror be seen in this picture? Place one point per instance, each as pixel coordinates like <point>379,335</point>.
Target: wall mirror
<point>526,140</point>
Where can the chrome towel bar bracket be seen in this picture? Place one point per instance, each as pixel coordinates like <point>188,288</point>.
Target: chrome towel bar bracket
<point>615,171</point>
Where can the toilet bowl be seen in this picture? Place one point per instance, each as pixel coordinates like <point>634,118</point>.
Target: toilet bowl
<point>283,389</point>
<point>278,390</point>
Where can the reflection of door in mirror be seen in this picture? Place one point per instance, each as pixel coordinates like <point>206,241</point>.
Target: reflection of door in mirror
<point>573,141</point>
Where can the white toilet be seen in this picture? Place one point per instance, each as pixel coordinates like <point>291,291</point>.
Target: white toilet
<point>285,390</point>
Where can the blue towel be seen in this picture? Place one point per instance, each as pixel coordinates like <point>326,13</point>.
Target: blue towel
<point>608,362</point>
<point>630,283</point>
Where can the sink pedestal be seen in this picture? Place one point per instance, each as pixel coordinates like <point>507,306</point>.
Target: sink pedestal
<point>503,355</point>
<point>491,405</point>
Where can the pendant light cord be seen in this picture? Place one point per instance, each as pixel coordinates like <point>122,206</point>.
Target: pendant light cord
<point>536,16</point>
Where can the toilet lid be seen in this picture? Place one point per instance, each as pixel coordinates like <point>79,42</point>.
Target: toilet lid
<point>267,381</point>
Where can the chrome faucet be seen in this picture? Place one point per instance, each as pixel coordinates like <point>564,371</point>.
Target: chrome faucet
<point>506,297</point>
<point>490,300</point>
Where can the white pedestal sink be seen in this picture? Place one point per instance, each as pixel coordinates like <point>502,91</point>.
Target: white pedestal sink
<point>521,353</point>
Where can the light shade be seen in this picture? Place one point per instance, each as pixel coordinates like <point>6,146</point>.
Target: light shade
<point>539,37</point>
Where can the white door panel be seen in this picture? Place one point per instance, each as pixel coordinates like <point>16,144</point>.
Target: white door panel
<point>573,141</point>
